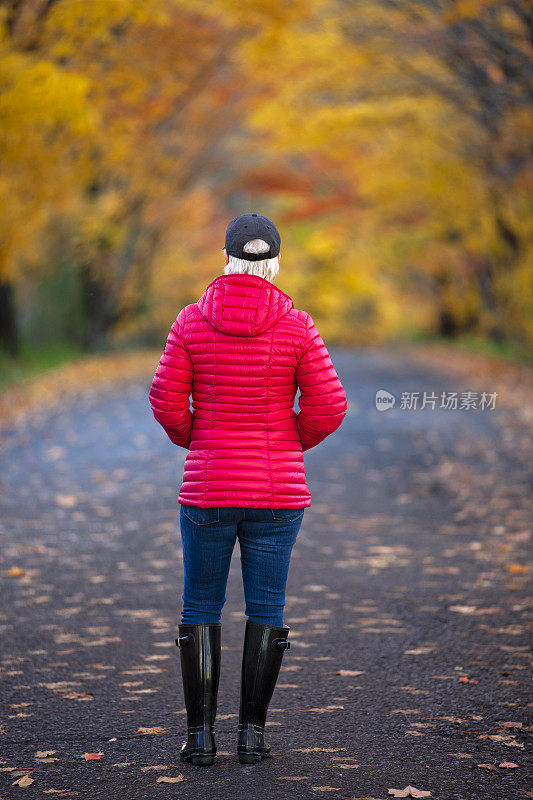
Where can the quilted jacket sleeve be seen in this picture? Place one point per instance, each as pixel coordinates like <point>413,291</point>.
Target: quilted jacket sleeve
<point>172,386</point>
<point>322,400</point>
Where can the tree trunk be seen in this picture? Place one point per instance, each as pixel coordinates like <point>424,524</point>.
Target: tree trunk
<point>8,321</point>
<point>96,310</point>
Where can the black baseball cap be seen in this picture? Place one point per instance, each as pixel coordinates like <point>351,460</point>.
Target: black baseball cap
<point>247,227</point>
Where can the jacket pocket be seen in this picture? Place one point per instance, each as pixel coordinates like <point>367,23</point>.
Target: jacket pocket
<point>287,513</point>
<point>201,516</point>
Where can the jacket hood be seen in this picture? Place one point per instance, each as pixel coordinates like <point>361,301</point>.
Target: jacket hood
<point>243,305</point>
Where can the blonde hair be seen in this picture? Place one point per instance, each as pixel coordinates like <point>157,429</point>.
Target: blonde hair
<point>267,268</point>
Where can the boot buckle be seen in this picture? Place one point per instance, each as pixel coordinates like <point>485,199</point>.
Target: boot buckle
<point>282,644</point>
<point>182,640</point>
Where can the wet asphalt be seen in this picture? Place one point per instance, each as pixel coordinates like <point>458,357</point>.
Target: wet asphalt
<point>407,602</point>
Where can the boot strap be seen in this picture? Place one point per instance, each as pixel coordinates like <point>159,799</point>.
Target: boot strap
<point>182,640</point>
<point>197,728</point>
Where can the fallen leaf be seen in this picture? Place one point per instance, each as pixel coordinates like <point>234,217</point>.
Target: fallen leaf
<point>65,500</point>
<point>349,672</point>
<point>157,766</point>
<point>92,756</point>
<point>486,766</point>
<point>508,764</point>
<point>24,781</point>
<point>409,791</point>
<point>148,731</point>
<point>517,569</point>
<point>15,572</point>
<point>44,753</point>
<point>156,658</point>
<point>345,759</point>
<point>166,779</point>
<point>463,609</point>
<point>498,737</point>
<point>318,749</point>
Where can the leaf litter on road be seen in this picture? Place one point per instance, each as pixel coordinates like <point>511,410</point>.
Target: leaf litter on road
<point>483,533</point>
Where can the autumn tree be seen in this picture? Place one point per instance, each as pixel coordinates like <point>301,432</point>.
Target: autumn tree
<point>150,84</point>
<point>423,109</point>
<point>46,125</point>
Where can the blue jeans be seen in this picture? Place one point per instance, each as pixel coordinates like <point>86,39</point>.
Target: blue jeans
<point>266,538</point>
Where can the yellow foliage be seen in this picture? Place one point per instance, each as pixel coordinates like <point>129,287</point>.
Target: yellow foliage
<point>143,127</point>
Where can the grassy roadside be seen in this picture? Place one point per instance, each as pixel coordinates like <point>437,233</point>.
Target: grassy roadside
<point>37,388</point>
<point>31,362</point>
<point>480,371</point>
<point>478,346</point>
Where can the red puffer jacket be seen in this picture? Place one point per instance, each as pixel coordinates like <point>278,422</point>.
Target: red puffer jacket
<point>242,350</point>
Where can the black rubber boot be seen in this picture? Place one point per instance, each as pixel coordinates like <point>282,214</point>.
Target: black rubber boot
<point>263,650</point>
<point>199,645</point>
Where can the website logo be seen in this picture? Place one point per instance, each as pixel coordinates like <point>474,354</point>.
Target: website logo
<point>384,400</point>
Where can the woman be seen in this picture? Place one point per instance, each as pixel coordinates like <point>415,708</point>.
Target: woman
<point>242,351</point>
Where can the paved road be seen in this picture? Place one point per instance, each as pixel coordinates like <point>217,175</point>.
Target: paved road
<point>406,602</point>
